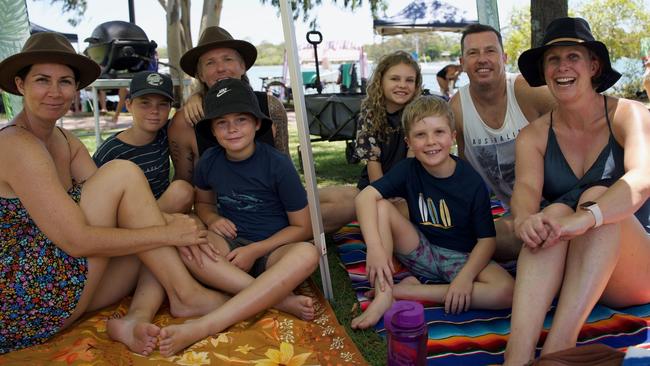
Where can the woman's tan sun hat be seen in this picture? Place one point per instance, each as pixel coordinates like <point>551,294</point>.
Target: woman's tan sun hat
<point>567,32</point>
<point>217,37</point>
<point>47,47</point>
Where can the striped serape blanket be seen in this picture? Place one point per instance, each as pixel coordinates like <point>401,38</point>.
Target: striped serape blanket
<point>479,337</point>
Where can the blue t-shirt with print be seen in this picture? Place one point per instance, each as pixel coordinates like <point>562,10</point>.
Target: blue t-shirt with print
<point>256,193</point>
<point>452,212</point>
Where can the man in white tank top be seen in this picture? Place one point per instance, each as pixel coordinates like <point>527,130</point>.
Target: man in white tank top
<point>489,112</point>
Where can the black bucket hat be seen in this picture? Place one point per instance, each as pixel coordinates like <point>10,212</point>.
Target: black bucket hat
<point>230,96</point>
<point>47,47</point>
<point>567,32</point>
<point>217,37</point>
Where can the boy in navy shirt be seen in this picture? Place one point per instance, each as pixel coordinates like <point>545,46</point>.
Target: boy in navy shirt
<point>449,236</point>
<point>250,195</point>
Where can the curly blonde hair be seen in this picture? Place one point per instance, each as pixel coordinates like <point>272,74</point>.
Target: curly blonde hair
<point>373,106</point>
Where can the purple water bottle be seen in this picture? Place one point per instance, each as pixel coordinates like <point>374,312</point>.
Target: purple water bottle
<point>407,334</point>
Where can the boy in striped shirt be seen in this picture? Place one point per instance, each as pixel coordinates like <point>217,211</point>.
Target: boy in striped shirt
<point>145,142</point>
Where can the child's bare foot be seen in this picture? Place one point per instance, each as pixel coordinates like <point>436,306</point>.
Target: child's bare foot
<point>374,312</point>
<point>199,302</point>
<point>174,338</point>
<point>298,305</point>
<point>136,334</point>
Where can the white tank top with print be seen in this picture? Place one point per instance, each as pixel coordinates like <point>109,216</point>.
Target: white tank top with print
<point>492,151</point>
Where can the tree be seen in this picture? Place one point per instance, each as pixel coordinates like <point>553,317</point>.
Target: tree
<point>179,37</point>
<point>433,46</point>
<point>304,6</point>
<point>621,34</point>
<point>516,38</point>
<point>76,7</point>
<point>542,12</point>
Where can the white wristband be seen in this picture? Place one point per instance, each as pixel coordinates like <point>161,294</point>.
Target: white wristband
<point>595,210</point>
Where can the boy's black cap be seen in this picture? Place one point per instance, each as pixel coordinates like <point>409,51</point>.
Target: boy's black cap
<point>230,96</point>
<point>151,82</point>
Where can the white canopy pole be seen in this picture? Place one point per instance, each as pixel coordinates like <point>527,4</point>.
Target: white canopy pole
<point>291,47</point>
<point>488,13</point>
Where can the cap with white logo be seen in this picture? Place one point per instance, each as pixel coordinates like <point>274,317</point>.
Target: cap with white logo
<point>151,82</point>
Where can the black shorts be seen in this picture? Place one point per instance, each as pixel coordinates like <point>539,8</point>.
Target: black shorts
<point>260,264</point>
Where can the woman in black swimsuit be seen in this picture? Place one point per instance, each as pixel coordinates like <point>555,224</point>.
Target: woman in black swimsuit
<point>580,199</point>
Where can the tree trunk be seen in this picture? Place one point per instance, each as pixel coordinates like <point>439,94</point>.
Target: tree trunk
<point>211,15</point>
<point>186,33</point>
<point>542,12</point>
<point>174,45</point>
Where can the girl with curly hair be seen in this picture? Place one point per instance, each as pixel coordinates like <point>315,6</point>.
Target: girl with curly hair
<point>395,82</point>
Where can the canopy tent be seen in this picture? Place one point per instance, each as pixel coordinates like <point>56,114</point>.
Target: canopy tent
<point>305,145</point>
<point>423,16</point>
<point>35,28</point>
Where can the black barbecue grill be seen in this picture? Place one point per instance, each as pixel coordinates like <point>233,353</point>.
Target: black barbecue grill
<point>120,48</point>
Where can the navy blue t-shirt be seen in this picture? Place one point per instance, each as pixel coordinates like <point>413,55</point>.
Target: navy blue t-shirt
<point>256,193</point>
<point>452,212</point>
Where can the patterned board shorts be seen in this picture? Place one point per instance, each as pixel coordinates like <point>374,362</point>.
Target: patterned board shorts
<point>433,262</point>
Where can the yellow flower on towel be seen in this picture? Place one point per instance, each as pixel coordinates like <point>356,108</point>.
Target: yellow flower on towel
<point>192,358</point>
<point>283,356</point>
<point>244,349</point>
<point>221,338</point>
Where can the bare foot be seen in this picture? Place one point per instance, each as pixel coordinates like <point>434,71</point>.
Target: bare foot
<point>298,305</point>
<point>136,334</point>
<point>196,303</point>
<point>175,338</point>
<point>374,312</point>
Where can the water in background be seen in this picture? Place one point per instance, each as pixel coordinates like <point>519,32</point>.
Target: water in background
<point>429,71</point>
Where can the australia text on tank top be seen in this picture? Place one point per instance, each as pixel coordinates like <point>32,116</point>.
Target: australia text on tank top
<point>492,151</point>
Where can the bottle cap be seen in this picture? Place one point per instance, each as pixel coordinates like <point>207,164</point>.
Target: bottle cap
<point>404,315</point>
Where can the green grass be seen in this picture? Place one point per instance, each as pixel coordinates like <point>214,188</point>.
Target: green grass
<point>88,138</point>
<point>331,169</point>
<point>329,161</point>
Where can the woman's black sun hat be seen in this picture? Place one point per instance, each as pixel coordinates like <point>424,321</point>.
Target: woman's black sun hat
<point>567,32</point>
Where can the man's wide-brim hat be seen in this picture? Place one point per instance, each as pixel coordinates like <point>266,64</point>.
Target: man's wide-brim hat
<point>567,32</point>
<point>217,37</point>
<point>51,48</point>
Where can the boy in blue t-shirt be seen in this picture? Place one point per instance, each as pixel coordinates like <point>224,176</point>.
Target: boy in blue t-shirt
<point>449,236</point>
<point>145,142</point>
<point>250,195</point>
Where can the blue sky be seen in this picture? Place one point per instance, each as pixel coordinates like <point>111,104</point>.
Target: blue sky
<point>246,19</point>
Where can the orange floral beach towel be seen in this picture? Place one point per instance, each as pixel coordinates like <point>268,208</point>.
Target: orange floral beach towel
<point>270,338</point>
